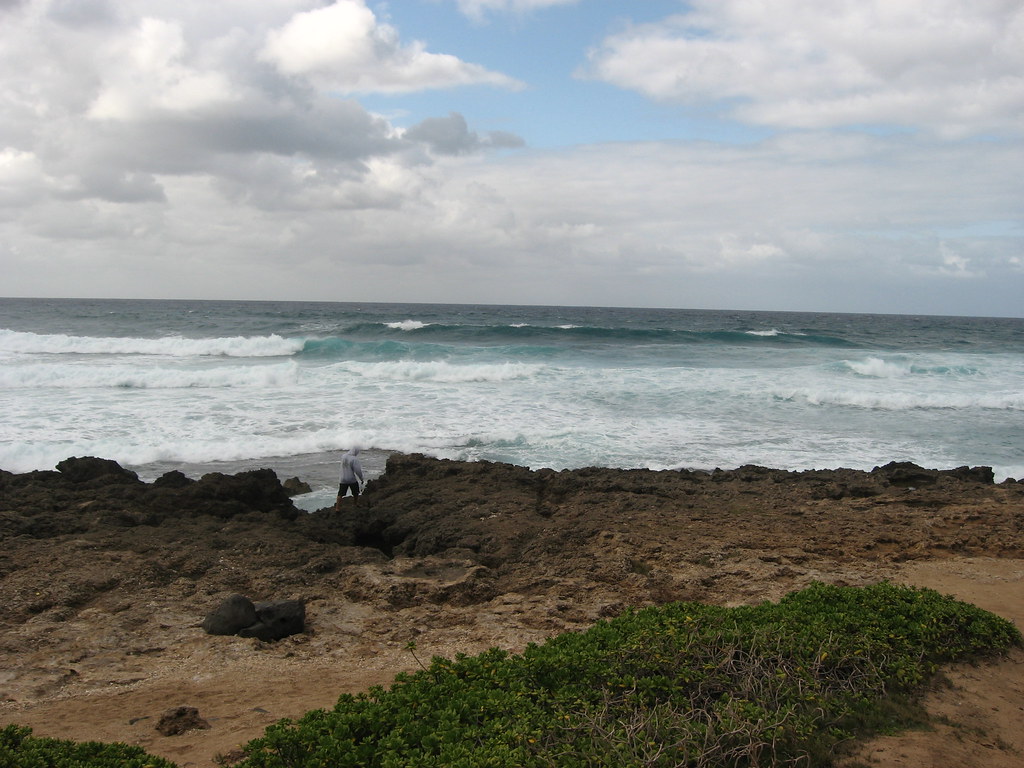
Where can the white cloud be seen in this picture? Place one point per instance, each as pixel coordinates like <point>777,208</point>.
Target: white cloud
<point>107,100</point>
<point>687,224</point>
<point>197,149</point>
<point>145,72</point>
<point>952,66</point>
<point>345,48</point>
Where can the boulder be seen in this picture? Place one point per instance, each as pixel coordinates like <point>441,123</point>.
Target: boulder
<point>293,486</point>
<point>276,620</point>
<point>86,468</point>
<point>178,720</point>
<point>257,489</point>
<point>235,613</point>
<point>173,479</point>
<point>238,615</point>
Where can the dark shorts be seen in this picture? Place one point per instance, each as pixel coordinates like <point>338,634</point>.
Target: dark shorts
<point>354,487</point>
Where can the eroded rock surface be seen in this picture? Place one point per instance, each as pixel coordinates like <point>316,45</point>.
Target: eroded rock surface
<point>99,569</point>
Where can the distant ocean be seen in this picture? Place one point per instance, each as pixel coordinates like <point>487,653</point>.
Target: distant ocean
<point>225,386</point>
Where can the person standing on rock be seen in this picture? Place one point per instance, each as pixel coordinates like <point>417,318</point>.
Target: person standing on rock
<point>351,477</point>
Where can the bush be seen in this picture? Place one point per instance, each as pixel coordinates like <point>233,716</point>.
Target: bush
<point>19,749</point>
<point>684,684</point>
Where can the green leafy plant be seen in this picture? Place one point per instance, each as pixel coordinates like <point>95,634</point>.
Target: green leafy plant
<point>19,749</point>
<point>681,684</point>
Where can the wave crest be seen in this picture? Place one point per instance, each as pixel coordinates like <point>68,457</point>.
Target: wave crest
<point>22,342</point>
<point>441,371</point>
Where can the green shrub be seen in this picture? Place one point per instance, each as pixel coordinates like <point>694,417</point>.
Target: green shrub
<point>19,749</point>
<point>679,685</point>
<point>683,684</point>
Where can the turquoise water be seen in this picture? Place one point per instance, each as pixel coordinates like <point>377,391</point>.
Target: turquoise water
<point>232,385</point>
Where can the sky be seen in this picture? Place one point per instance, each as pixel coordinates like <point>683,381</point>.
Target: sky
<point>845,155</point>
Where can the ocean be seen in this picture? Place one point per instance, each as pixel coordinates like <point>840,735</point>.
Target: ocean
<point>225,386</point>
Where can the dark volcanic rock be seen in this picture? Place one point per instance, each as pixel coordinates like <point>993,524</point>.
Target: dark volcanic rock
<point>82,470</point>
<point>173,479</point>
<point>89,493</point>
<point>504,514</point>
<point>238,615</point>
<point>235,613</point>
<point>179,720</point>
<point>294,486</point>
<point>277,620</point>
<point>257,489</point>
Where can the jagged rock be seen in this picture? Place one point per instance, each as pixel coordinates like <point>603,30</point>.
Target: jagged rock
<point>257,489</point>
<point>983,475</point>
<point>173,479</point>
<point>238,615</point>
<point>178,720</point>
<point>86,468</point>
<point>294,486</point>
<point>276,620</point>
<point>235,613</point>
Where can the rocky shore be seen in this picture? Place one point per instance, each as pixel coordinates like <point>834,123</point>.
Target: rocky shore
<point>106,580</point>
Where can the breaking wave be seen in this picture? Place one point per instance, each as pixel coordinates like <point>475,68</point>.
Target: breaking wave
<point>22,342</point>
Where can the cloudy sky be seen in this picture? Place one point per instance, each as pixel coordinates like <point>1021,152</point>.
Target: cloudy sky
<point>845,155</point>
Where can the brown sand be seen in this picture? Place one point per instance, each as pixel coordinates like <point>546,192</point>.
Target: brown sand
<point>93,656</point>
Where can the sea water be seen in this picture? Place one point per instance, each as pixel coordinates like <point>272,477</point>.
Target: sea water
<point>226,386</point>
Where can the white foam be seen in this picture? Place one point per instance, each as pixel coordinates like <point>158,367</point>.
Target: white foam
<point>407,325</point>
<point>173,346</point>
<point>441,371</point>
<point>878,368</point>
<point>904,401</point>
<point>74,377</point>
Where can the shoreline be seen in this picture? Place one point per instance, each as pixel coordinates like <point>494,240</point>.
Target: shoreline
<point>320,469</point>
<point>105,604</point>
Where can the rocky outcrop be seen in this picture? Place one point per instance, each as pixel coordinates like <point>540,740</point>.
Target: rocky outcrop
<point>437,535</point>
<point>88,492</point>
<point>277,620</point>
<point>89,469</point>
<point>238,615</point>
<point>504,514</point>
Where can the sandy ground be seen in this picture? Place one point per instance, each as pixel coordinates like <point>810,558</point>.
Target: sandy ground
<point>979,710</point>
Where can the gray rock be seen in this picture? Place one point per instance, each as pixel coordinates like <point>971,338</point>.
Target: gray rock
<point>276,620</point>
<point>235,613</point>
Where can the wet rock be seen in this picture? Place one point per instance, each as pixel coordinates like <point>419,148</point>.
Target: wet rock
<point>295,487</point>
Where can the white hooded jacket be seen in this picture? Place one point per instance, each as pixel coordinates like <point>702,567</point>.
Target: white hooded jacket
<point>350,467</point>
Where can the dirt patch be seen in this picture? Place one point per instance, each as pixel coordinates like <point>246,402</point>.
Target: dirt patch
<point>106,583</point>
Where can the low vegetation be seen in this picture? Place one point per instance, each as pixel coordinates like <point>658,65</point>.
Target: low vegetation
<point>19,749</point>
<point>684,684</point>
